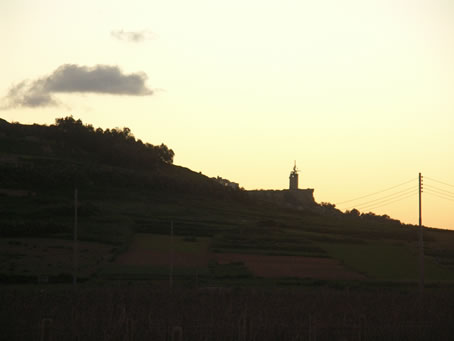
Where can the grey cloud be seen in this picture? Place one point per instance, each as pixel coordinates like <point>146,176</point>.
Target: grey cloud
<point>24,95</point>
<point>99,79</point>
<point>135,37</point>
<point>70,78</point>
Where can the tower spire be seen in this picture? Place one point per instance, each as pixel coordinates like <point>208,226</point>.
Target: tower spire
<point>294,178</point>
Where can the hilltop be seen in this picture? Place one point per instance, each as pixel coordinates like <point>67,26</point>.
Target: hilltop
<point>70,153</point>
<point>130,194</point>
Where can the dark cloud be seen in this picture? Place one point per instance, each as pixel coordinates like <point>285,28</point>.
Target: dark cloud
<point>69,78</point>
<point>135,37</point>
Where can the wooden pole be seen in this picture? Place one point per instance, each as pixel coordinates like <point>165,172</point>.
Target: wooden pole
<point>46,329</point>
<point>75,244</point>
<point>171,256</point>
<point>421,240</point>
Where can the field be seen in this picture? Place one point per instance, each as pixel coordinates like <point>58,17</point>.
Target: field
<point>387,261</point>
<point>290,266</point>
<point>221,238</point>
<point>152,249</point>
<point>244,257</point>
<point>28,259</point>
<point>235,268</point>
<point>144,313</point>
<point>339,261</point>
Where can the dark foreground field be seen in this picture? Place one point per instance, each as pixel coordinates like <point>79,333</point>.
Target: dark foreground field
<point>139,313</point>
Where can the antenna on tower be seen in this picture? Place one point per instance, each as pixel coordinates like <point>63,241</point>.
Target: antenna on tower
<point>294,167</point>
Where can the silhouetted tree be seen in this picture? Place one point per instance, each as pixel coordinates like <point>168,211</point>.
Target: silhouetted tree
<point>116,146</point>
<point>354,212</point>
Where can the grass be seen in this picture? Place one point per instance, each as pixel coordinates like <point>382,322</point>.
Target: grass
<point>384,261</point>
<point>233,270</point>
<point>160,242</point>
<point>36,257</point>
<point>183,276</point>
<point>150,272</point>
<point>144,313</point>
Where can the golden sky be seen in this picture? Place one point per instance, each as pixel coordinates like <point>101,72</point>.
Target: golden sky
<point>360,93</point>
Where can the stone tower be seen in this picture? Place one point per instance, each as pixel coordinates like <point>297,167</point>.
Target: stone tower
<point>294,178</point>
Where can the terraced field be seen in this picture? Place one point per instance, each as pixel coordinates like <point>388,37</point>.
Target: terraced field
<point>156,249</point>
<point>251,257</point>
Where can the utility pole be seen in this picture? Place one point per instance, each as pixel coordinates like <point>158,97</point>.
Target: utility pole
<point>75,244</point>
<point>421,240</point>
<point>171,256</point>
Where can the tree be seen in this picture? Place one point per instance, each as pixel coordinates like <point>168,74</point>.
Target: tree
<point>354,212</point>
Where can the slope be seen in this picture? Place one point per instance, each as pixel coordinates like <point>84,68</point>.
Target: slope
<point>130,192</point>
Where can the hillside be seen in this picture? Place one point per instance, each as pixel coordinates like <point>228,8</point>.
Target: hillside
<point>130,194</point>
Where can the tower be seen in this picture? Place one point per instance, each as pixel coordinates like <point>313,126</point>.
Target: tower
<point>294,178</point>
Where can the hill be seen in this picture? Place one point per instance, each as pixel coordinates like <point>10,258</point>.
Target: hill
<point>130,197</point>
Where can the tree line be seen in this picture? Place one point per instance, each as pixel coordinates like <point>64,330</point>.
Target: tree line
<point>72,138</point>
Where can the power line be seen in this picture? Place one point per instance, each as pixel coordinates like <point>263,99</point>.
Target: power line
<point>439,189</point>
<point>389,201</point>
<point>369,195</point>
<point>387,197</point>
<point>440,193</point>
<point>439,196</point>
<point>441,182</point>
<point>392,202</point>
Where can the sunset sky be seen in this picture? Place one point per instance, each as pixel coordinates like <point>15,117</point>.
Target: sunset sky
<point>359,92</point>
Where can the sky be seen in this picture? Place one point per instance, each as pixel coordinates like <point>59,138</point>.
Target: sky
<point>359,92</point>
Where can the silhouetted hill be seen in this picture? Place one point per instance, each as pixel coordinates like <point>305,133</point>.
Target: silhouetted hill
<point>53,160</point>
<point>70,153</point>
<point>129,192</point>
